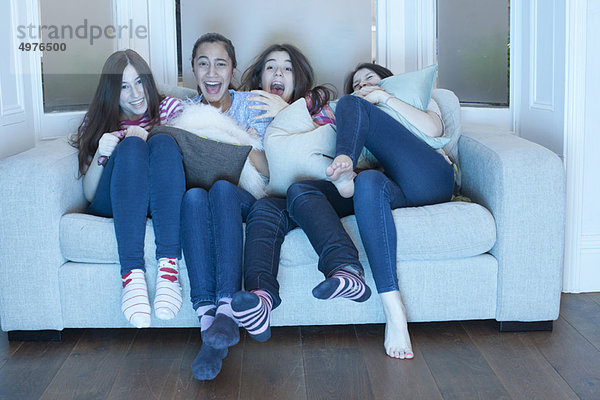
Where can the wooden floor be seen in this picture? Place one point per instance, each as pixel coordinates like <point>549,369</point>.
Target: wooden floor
<point>454,360</point>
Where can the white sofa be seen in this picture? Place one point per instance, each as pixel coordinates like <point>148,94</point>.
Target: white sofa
<point>500,257</point>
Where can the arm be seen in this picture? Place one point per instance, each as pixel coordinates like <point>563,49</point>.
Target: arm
<point>427,122</point>
<point>92,178</point>
<point>107,144</point>
<point>258,157</point>
<point>259,160</point>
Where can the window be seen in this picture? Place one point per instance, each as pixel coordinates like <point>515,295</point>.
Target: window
<point>70,76</point>
<point>473,46</point>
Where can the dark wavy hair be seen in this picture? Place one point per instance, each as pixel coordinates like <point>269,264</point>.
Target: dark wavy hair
<point>303,76</point>
<point>104,113</point>
<point>216,38</point>
<point>382,72</point>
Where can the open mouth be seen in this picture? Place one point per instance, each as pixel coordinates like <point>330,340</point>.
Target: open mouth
<point>212,87</point>
<point>277,88</point>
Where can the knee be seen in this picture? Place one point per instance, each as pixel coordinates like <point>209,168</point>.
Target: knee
<point>300,188</point>
<point>348,100</point>
<point>297,190</point>
<point>271,209</point>
<point>133,146</point>
<point>193,199</point>
<point>221,190</point>
<point>162,142</point>
<point>368,183</point>
<point>131,156</point>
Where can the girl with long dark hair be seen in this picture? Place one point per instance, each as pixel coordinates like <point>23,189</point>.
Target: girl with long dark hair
<point>128,178</point>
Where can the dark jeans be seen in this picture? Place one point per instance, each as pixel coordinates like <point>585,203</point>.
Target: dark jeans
<point>415,175</point>
<point>142,179</point>
<point>270,219</point>
<point>266,226</point>
<point>212,240</point>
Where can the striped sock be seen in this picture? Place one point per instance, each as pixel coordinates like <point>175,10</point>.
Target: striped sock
<point>224,331</point>
<point>253,310</point>
<point>343,283</point>
<point>206,315</point>
<point>167,301</point>
<point>134,298</point>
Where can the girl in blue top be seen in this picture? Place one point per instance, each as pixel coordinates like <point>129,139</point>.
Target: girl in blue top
<point>211,221</point>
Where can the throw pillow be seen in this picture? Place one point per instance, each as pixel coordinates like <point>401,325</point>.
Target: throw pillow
<point>206,161</point>
<point>413,88</point>
<point>295,149</point>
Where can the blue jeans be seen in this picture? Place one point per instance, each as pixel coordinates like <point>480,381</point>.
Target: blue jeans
<point>415,175</point>
<point>270,219</point>
<point>266,226</point>
<point>212,240</point>
<point>317,208</point>
<point>142,179</point>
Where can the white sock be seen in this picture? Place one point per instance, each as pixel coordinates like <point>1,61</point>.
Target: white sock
<point>134,298</point>
<point>167,301</point>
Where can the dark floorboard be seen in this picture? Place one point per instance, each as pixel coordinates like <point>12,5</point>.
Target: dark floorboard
<point>453,360</point>
<point>326,349</point>
<point>583,313</point>
<point>7,349</point>
<point>274,370</point>
<point>519,365</point>
<point>459,369</point>
<point>572,356</point>
<point>93,365</point>
<point>30,369</point>
<point>150,367</point>
<point>390,378</point>
<point>593,296</point>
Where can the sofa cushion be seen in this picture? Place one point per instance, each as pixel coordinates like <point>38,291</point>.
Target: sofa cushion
<point>437,232</point>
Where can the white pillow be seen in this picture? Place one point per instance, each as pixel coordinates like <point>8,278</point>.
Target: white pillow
<point>295,149</point>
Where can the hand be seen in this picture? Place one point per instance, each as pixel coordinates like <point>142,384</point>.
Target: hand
<point>108,143</point>
<point>253,133</point>
<point>373,94</point>
<point>136,131</point>
<point>272,103</point>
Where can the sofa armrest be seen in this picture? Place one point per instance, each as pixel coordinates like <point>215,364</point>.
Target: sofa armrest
<point>36,188</point>
<point>523,185</point>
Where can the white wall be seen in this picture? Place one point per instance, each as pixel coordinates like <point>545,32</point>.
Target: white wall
<point>334,35</point>
<point>582,269</point>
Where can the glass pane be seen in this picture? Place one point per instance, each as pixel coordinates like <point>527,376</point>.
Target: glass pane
<point>473,44</point>
<point>334,35</point>
<point>70,77</point>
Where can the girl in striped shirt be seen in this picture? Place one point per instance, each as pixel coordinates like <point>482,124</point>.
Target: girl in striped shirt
<point>127,177</point>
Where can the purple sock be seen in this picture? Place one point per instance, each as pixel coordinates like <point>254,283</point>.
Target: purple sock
<point>343,283</point>
<point>253,310</point>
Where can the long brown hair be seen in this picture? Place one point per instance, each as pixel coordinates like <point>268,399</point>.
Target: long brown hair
<point>104,112</point>
<point>303,76</point>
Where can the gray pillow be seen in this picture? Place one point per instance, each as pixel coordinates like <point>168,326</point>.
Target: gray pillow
<point>206,161</point>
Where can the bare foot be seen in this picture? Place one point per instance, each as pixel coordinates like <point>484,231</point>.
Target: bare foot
<point>341,174</point>
<point>397,340</point>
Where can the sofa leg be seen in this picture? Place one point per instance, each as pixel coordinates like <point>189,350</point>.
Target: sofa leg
<point>35,336</point>
<point>513,326</point>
